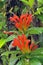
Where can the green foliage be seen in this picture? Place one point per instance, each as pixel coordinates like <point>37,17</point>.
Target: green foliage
<point>2,21</point>
<point>40,17</point>
<point>25,10</point>
<point>23,62</point>
<point>35,57</point>
<point>16,8</point>
<point>30,2</point>
<point>4,41</point>
<point>9,52</point>
<point>10,38</point>
<point>37,52</point>
<point>2,5</point>
<point>34,30</point>
<point>20,62</point>
<point>1,25</point>
<point>39,11</point>
<point>35,62</point>
<point>41,39</point>
<point>13,58</point>
<point>5,60</point>
<point>40,2</point>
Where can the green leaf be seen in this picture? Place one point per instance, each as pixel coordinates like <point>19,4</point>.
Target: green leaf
<point>41,40</point>
<point>2,42</point>
<point>2,3</point>
<point>23,62</point>
<point>35,62</point>
<point>16,8</point>
<point>40,1</point>
<point>34,30</point>
<point>13,59</point>
<point>9,52</point>
<point>25,10</point>
<point>40,17</point>
<point>37,53</point>
<point>5,60</point>
<point>39,11</point>
<point>10,38</point>
<point>30,2</point>
<point>19,63</point>
<point>25,2</point>
<point>1,0</point>
<point>2,24</point>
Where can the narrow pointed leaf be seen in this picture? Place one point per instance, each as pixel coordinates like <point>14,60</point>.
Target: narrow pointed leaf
<point>35,62</point>
<point>2,42</point>
<point>34,30</point>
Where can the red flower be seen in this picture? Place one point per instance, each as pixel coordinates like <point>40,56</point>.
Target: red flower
<point>23,43</point>
<point>14,18</point>
<point>23,22</point>
<point>33,46</point>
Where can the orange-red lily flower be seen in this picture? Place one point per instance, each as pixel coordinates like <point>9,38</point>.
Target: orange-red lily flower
<point>23,43</point>
<point>22,22</point>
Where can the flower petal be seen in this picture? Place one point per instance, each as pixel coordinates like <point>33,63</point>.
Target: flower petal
<point>31,46</point>
<point>17,25</point>
<point>27,44</point>
<point>16,42</point>
<point>16,18</point>
<point>35,47</point>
